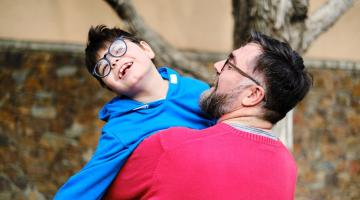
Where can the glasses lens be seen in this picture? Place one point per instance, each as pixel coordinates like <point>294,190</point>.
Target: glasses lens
<point>102,68</point>
<point>117,48</point>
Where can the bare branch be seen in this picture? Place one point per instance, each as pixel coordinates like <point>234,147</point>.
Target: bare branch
<point>323,19</point>
<point>205,57</point>
<point>166,53</point>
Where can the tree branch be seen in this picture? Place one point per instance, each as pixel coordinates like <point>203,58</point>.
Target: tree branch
<point>166,53</point>
<point>323,19</point>
<point>206,57</point>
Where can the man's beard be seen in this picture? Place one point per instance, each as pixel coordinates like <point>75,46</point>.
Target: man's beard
<point>211,103</point>
<point>214,104</point>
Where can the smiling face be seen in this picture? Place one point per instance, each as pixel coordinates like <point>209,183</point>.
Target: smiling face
<point>129,70</point>
<point>233,87</point>
<point>245,59</point>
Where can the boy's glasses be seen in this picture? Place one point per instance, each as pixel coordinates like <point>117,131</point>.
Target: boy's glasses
<point>116,49</point>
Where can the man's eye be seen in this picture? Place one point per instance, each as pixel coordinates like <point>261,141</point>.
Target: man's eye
<point>228,67</point>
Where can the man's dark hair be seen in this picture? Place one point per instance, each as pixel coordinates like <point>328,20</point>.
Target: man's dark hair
<point>286,79</point>
<point>99,37</point>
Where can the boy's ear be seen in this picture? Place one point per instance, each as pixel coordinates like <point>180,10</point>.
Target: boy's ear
<point>148,50</point>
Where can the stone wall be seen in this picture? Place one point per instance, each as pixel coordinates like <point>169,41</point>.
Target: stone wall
<point>48,121</point>
<point>327,137</point>
<point>49,127</point>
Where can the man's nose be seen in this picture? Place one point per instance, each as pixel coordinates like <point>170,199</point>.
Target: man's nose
<point>219,65</point>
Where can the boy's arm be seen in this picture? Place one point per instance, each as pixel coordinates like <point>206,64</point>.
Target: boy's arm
<point>92,181</point>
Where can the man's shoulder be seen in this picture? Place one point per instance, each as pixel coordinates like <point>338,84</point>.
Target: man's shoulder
<point>176,137</point>
<point>171,137</point>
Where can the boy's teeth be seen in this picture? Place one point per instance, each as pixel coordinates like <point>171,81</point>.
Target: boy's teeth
<point>124,67</point>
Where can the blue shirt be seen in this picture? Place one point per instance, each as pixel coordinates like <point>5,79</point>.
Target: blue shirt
<point>128,123</point>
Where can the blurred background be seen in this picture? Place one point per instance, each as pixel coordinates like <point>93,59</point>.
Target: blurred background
<point>49,102</point>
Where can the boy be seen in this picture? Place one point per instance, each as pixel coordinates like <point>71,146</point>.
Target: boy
<point>148,100</point>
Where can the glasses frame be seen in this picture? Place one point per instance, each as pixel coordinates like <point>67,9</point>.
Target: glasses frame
<point>239,71</point>
<point>122,39</point>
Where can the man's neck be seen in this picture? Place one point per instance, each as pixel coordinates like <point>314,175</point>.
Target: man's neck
<point>250,122</point>
<point>246,119</point>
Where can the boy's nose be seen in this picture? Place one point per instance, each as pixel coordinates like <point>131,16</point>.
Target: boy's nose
<point>113,61</point>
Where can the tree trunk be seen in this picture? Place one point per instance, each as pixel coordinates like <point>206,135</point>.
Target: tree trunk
<point>241,15</point>
<point>288,20</point>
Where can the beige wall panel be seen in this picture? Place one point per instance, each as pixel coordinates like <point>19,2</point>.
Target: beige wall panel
<point>205,25</point>
<point>200,24</point>
<point>341,41</point>
<point>53,20</point>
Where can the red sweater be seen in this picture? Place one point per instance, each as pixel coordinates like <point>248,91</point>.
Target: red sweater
<point>219,162</point>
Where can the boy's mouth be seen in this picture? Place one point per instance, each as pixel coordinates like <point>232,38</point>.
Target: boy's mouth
<point>124,68</point>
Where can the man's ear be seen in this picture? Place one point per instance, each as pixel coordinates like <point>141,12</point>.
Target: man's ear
<point>254,96</point>
<point>148,50</point>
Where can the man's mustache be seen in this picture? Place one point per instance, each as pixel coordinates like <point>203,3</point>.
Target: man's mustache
<point>215,84</point>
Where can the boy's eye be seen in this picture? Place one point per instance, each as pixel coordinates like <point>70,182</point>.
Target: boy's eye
<point>103,68</point>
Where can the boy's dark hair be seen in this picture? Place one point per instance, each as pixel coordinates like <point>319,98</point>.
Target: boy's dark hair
<point>99,37</point>
<point>286,79</point>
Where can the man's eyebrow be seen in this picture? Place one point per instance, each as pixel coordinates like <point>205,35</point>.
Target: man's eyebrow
<point>231,57</point>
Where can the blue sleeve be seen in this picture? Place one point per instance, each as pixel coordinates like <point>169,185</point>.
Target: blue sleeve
<point>92,181</point>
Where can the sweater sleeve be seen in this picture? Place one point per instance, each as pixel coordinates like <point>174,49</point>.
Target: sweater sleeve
<point>92,181</point>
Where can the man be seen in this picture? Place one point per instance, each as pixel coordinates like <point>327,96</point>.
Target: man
<point>147,100</point>
<point>239,157</point>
